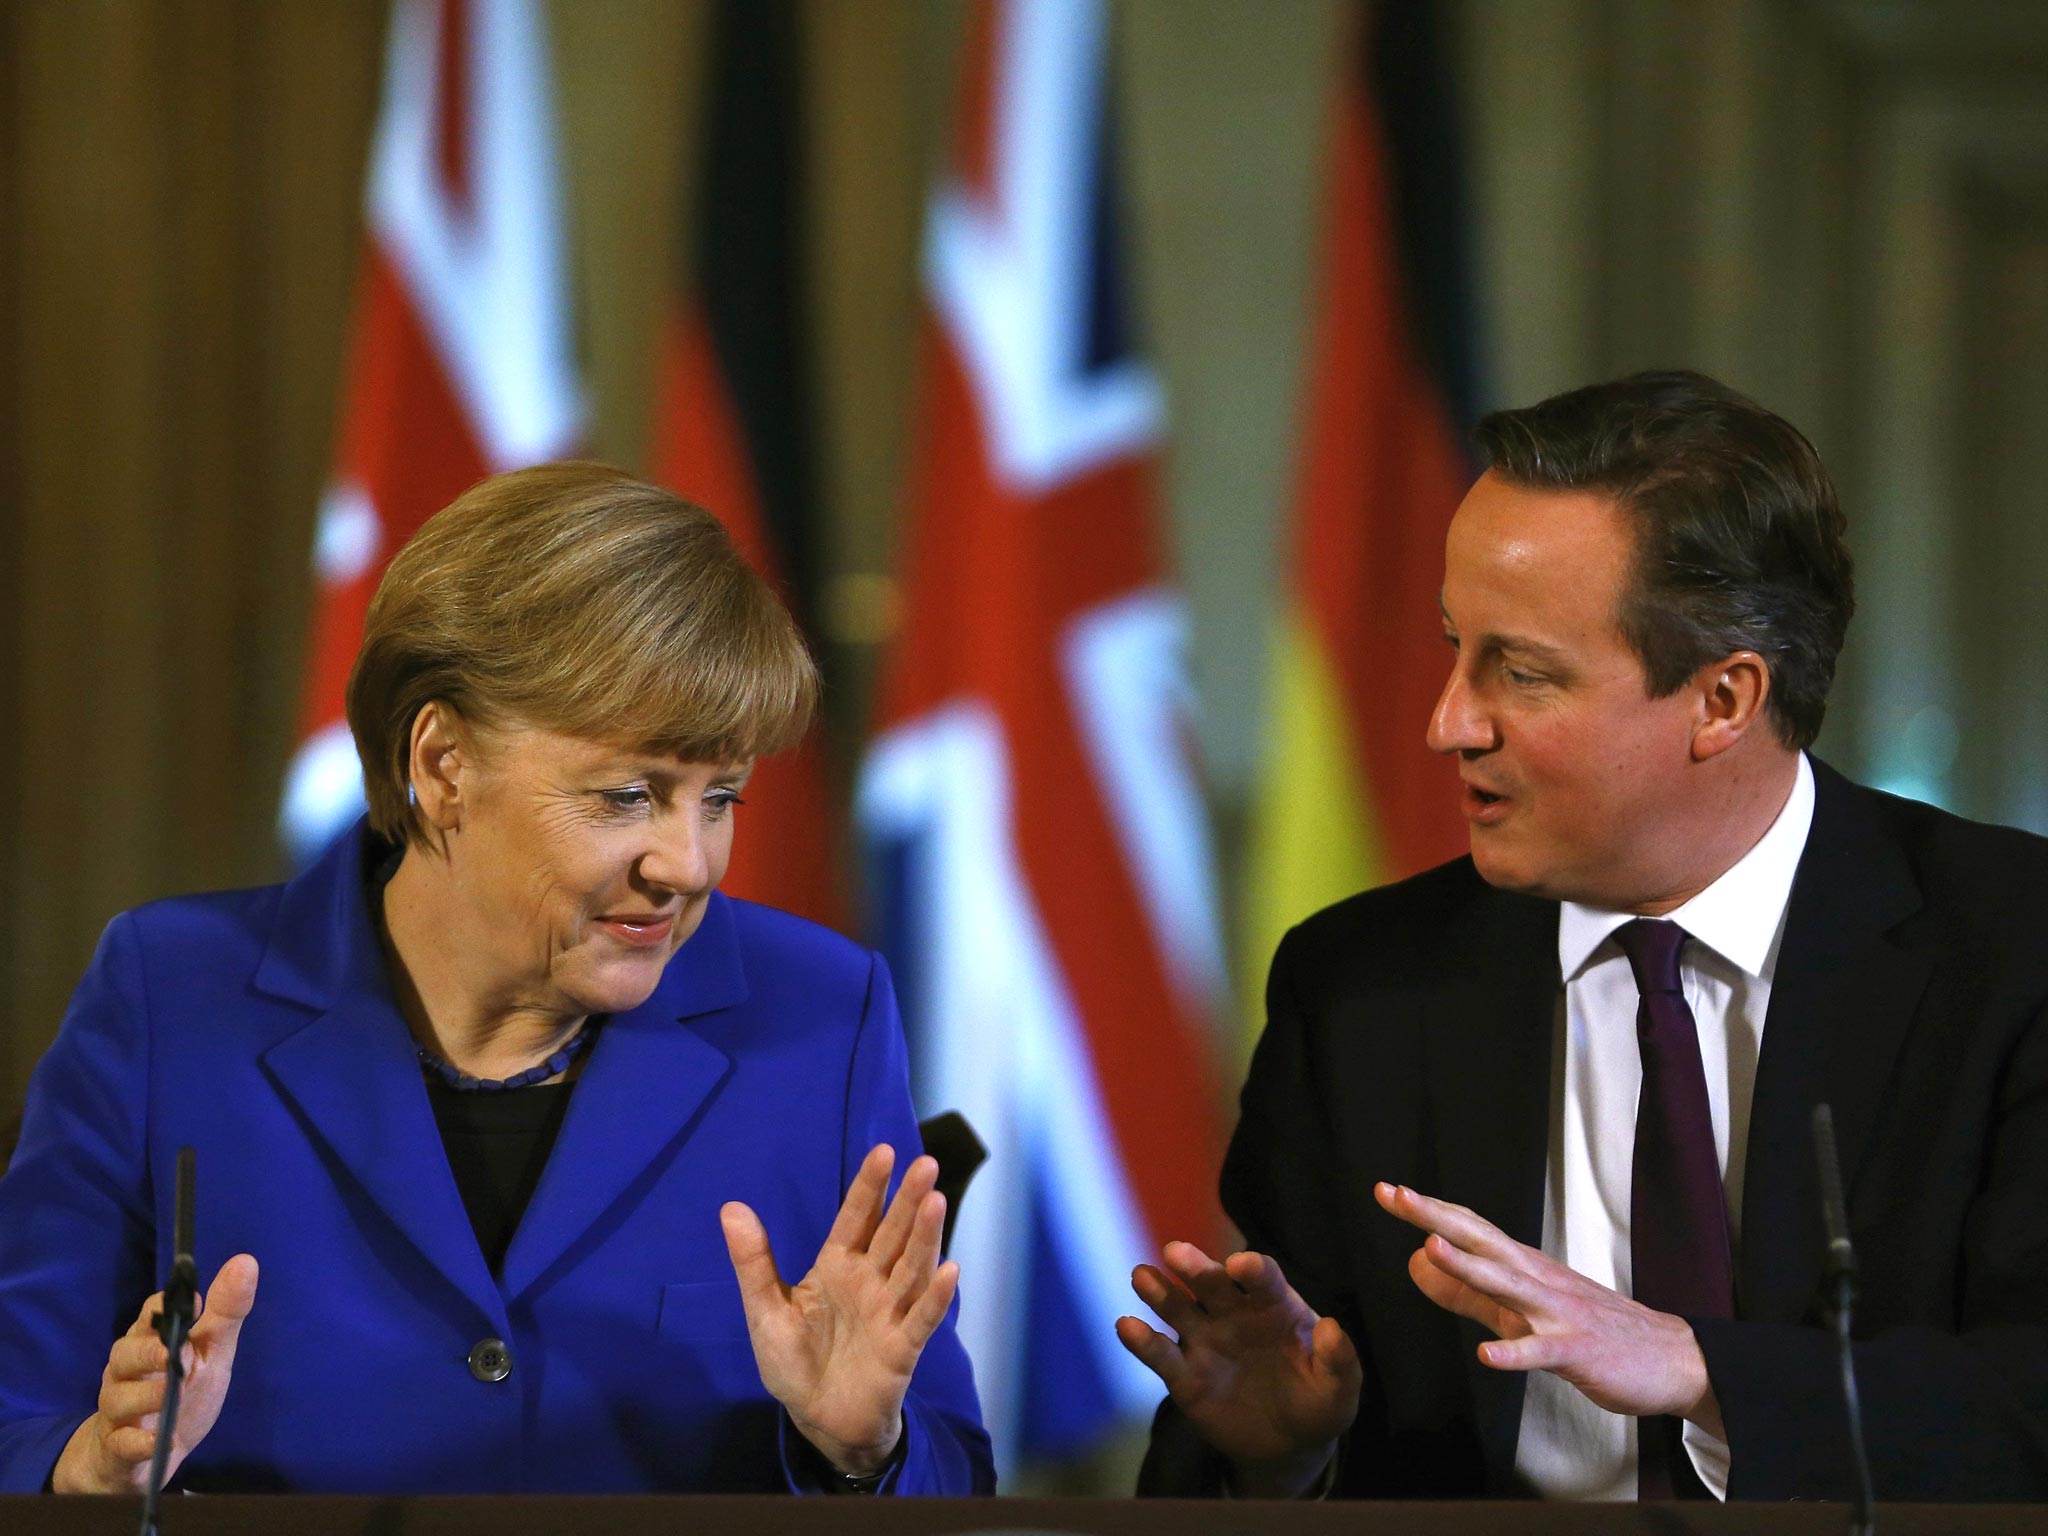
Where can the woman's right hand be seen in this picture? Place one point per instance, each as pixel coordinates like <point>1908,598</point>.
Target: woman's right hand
<point>110,1452</point>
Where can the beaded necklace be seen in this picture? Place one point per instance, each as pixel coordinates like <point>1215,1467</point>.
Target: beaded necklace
<point>463,1082</point>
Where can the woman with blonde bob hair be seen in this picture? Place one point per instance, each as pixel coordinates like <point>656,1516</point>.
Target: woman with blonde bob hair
<point>513,1106</point>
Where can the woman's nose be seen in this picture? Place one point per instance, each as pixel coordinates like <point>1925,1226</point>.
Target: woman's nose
<point>678,860</point>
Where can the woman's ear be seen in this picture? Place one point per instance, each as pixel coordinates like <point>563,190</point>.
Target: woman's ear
<point>440,761</point>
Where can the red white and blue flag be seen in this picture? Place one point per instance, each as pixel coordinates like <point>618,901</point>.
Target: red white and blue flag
<point>1034,822</point>
<point>461,362</point>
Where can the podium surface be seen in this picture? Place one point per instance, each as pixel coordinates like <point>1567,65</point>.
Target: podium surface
<point>547,1515</point>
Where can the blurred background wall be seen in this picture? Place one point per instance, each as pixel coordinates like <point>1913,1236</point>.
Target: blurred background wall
<point>1839,207</point>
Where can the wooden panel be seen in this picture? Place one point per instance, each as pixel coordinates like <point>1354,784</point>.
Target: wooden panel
<point>13,1066</point>
<point>629,79</point>
<point>1224,110</point>
<point>881,78</point>
<point>182,208</point>
<point>1536,153</point>
<point>93,426</point>
<point>313,77</point>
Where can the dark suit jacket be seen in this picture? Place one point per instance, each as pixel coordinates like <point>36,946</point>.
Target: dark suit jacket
<point>1410,1038</point>
<point>258,1027</point>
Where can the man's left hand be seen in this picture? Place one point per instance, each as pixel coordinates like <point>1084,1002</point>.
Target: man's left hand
<point>1625,1357</point>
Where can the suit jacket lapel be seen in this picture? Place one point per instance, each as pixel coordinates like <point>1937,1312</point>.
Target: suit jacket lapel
<point>353,1072</point>
<point>1842,1000</point>
<point>1489,1073</point>
<point>649,1076</point>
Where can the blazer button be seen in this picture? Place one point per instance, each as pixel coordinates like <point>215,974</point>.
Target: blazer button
<point>490,1360</point>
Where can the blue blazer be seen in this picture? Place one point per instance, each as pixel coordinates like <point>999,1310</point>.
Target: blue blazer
<point>258,1027</point>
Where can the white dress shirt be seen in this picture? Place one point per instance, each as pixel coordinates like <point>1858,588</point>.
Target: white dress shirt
<point>1568,1448</point>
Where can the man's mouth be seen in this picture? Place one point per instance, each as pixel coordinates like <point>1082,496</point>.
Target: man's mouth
<point>1483,806</point>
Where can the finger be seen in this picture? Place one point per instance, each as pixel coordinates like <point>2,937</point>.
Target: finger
<point>129,1444</point>
<point>136,1355</point>
<point>226,1305</point>
<point>145,1320</point>
<point>1260,1278</point>
<point>914,1267</point>
<point>1532,1352</point>
<point>1503,1284</point>
<point>1333,1353</point>
<point>924,1317</point>
<point>1453,1294</point>
<point>129,1402</point>
<point>1159,1354</point>
<point>1213,1288</point>
<point>1462,1225</point>
<point>893,1234</point>
<point>753,1261</point>
<point>862,1208</point>
<point>1167,1297</point>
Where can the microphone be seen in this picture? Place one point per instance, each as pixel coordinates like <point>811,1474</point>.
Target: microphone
<point>1840,1290</point>
<point>173,1325</point>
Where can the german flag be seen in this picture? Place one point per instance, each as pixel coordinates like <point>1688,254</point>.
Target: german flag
<point>1350,797</point>
<point>733,422</point>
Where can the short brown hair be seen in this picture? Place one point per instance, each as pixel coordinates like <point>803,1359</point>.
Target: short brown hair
<point>574,598</point>
<point>1738,536</point>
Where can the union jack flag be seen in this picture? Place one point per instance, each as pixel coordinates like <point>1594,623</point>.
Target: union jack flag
<point>1034,822</point>
<point>461,362</point>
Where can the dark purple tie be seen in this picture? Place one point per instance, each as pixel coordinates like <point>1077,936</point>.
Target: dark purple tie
<point>1678,1213</point>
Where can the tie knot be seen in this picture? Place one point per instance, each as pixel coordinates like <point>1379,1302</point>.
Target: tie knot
<point>1652,947</point>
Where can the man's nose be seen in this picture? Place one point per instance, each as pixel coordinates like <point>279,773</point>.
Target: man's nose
<point>1458,724</point>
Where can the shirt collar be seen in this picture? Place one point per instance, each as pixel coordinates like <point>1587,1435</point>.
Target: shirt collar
<point>1739,916</point>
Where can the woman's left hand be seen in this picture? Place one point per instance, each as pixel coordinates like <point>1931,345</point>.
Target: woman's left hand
<point>837,1349</point>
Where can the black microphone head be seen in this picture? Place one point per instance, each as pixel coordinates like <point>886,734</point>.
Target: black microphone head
<point>181,1225</point>
<point>1834,1205</point>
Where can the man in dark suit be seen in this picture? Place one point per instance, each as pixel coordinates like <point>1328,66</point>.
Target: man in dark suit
<point>1581,1063</point>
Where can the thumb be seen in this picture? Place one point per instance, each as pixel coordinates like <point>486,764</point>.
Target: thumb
<point>1335,1355</point>
<point>227,1303</point>
<point>753,1261</point>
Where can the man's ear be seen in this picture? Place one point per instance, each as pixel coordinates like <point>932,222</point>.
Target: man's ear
<point>1732,693</point>
<point>440,760</point>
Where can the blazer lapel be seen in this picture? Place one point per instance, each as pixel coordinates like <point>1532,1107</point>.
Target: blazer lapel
<point>1844,995</point>
<point>648,1078</point>
<point>1490,1071</point>
<point>353,1072</point>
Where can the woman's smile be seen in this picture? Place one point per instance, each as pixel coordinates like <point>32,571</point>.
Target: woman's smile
<point>649,931</point>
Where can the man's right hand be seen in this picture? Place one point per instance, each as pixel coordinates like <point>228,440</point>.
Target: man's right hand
<point>1260,1376</point>
<point>110,1452</point>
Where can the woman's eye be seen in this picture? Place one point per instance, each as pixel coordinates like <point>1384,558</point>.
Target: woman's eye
<point>720,801</point>
<point>633,798</point>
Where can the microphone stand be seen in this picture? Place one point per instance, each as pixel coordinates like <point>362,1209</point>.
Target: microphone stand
<point>174,1326</point>
<point>1840,1293</point>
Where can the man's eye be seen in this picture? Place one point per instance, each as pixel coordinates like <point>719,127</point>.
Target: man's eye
<point>1451,640</point>
<point>1520,679</point>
